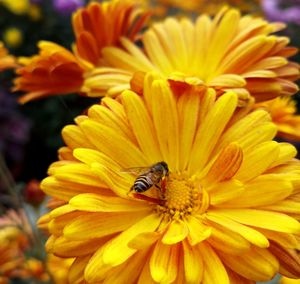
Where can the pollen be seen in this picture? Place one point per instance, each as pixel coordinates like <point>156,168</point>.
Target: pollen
<point>182,196</point>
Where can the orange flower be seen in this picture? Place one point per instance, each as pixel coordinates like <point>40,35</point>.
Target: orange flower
<point>283,112</point>
<point>6,61</point>
<point>56,70</point>
<point>99,25</point>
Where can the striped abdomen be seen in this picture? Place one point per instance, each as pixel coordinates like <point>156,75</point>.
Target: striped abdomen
<point>142,183</point>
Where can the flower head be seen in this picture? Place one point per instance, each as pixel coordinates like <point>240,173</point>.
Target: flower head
<point>231,192</point>
<point>56,70</point>
<point>229,52</point>
<point>6,61</point>
<point>283,112</point>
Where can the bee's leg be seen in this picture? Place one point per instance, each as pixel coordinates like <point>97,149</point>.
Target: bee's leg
<point>161,193</point>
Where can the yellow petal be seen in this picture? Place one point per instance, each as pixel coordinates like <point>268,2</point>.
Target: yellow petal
<point>142,126</point>
<point>261,219</point>
<point>253,236</point>
<point>99,203</point>
<point>109,255</point>
<point>226,165</point>
<point>193,264</point>
<point>214,271</point>
<point>257,264</point>
<point>76,271</point>
<point>74,137</point>
<point>144,240</point>
<point>228,80</point>
<point>176,232</point>
<point>284,239</point>
<point>129,271</point>
<point>111,143</point>
<point>225,191</point>
<point>211,128</point>
<point>107,117</point>
<point>227,241</point>
<point>261,191</point>
<point>258,160</point>
<point>64,247</point>
<point>242,127</point>
<point>107,223</point>
<point>286,153</point>
<point>163,263</point>
<point>165,117</point>
<point>197,231</point>
<point>188,108</point>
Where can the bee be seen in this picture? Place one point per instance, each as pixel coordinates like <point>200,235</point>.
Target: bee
<point>148,176</point>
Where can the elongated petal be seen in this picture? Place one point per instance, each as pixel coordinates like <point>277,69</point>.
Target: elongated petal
<point>262,219</point>
<point>211,129</point>
<point>163,263</point>
<point>258,264</point>
<point>214,271</point>
<point>193,264</point>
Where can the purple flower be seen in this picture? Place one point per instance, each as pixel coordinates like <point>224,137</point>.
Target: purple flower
<point>275,12</point>
<point>14,128</point>
<point>66,7</point>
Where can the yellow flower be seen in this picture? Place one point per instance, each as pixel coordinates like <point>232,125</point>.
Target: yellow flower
<point>228,202</point>
<point>58,268</point>
<point>13,37</point>
<point>229,52</point>
<point>283,111</point>
<point>35,12</point>
<point>6,61</point>
<point>18,7</point>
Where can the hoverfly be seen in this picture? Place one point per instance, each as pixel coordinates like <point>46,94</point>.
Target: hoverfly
<point>148,176</point>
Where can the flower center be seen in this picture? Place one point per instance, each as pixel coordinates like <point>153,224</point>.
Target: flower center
<point>182,196</point>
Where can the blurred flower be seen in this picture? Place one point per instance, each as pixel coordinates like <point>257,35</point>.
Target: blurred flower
<point>33,193</point>
<point>67,6</point>
<point>34,268</point>
<point>6,61</point>
<point>211,6</point>
<point>13,37</point>
<point>34,12</point>
<point>283,111</point>
<point>55,70</point>
<point>226,198</point>
<point>14,128</point>
<point>11,251</point>
<point>284,11</point>
<point>18,7</point>
<point>285,280</point>
<point>15,243</point>
<point>59,268</point>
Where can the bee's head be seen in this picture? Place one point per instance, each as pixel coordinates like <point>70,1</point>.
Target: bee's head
<point>164,167</point>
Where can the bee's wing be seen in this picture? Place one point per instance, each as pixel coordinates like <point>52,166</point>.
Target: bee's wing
<point>136,170</point>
